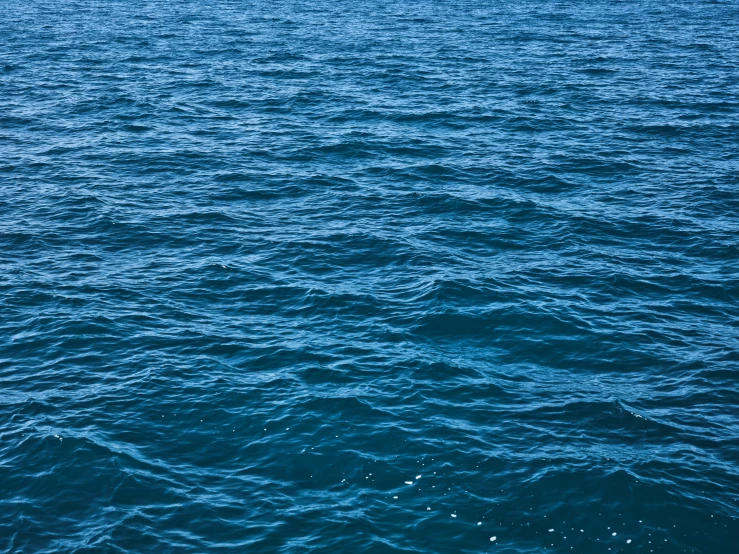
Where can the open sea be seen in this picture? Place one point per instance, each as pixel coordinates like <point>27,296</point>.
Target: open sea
<point>378,276</point>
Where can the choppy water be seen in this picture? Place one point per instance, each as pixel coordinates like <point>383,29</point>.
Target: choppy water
<point>380,276</point>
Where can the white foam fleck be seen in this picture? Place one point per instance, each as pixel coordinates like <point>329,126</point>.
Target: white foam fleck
<point>628,541</point>
<point>395,497</point>
<point>479,522</point>
<point>613,534</point>
<point>551,530</point>
<point>418,477</point>
<point>454,515</point>
<point>409,482</point>
<point>493,539</point>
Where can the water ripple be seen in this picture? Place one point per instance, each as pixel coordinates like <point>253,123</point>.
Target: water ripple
<point>384,276</point>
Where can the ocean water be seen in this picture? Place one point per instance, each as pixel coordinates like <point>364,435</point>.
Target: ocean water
<point>403,276</point>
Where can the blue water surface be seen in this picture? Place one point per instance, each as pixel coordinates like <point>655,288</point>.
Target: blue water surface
<point>403,276</point>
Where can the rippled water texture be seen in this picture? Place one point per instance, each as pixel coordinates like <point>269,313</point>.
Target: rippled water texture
<point>378,276</point>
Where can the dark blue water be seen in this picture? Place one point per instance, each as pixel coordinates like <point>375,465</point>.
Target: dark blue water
<point>379,276</point>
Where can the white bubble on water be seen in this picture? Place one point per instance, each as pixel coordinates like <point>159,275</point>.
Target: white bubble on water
<point>409,482</point>
<point>493,539</point>
<point>454,515</point>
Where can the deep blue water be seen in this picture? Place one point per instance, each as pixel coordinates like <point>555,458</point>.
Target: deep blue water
<point>378,276</point>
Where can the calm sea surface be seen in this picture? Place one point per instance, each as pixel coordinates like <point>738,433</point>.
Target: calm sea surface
<point>369,276</point>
